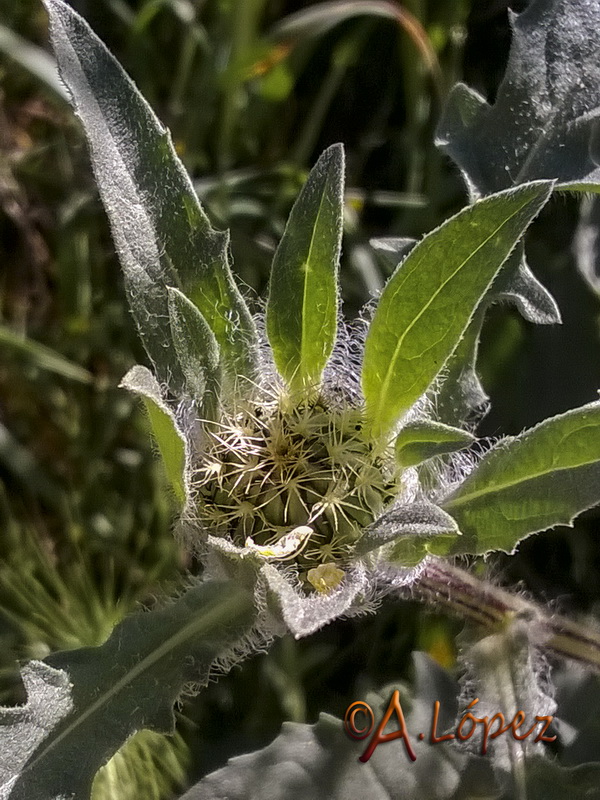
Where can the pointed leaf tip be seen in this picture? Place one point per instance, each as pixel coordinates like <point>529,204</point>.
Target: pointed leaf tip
<point>161,233</point>
<point>424,439</point>
<point>197,351</point>
<point>168,437</point>
<point>429,301</point>
<point>302,305</point>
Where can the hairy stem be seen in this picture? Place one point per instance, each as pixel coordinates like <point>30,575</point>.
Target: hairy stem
<point>454,589</point>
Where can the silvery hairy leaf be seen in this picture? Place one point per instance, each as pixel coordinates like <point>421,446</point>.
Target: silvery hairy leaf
<point>84,704</point>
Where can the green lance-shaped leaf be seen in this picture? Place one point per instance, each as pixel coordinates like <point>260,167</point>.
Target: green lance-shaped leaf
<point>197,351</point>
<point>303,292</point>
<point>84,704</point>
<point>525,484</point>
<point>161,233</point>
<point>423,439</point>
<point>428,302</point>
<point>170,441</point>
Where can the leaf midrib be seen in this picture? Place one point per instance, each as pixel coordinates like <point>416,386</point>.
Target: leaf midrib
<point>304,334</point>
<point>461,499</point>
<point>199,625</point>
<point>401,339</point>
<point>115,142</point>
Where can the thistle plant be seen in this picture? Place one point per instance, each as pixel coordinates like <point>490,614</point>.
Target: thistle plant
<point>318,464</point>
<point>298,436</point>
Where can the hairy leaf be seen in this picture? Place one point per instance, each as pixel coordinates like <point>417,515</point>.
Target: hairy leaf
<point>161,233</point>
<point>544,122</point>
<point>304,614</point>
<point>303,292</point>
<point>544,477</point>
<point>429,301</point>
<point>460,394</point>
<point>197,351</point>
<point>167,435</point>
<point>24,728</point>
<point>52,747</point>
<point>423,439</point>
<point>402,535</point>
<point>504,671</point>
<point>320,761</point>
<point>518,284</point>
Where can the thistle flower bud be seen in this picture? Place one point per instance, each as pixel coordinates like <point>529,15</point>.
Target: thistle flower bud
<point>269,469</point>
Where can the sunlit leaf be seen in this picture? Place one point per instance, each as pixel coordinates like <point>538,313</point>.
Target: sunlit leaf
<point>423,439</point>
<point>162,235</point>
<point>169,439</point>
<point>303,292</point>
<point>429,301</point>
<point>544,477</point>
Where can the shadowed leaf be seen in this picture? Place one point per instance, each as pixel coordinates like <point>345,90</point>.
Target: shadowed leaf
<point>84,704</point>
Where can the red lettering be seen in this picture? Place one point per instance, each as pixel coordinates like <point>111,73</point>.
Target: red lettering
<point>487,726</point>
<point>475,720</point>
<point>540,737</point>
<point>520,715</point>
<point>379,737</point>
<point>434,739</point>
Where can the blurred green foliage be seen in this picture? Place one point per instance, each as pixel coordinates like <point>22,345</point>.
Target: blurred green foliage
<point>252,91</point>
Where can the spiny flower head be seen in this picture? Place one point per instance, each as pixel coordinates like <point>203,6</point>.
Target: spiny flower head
<point>288,453</point>
<point>294,482</point>
<point>294,440</point>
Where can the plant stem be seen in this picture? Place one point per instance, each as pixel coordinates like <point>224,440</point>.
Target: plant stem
<point>454,589</point>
